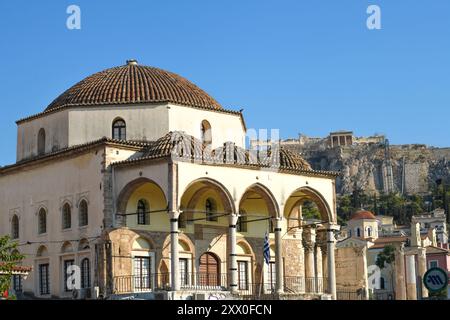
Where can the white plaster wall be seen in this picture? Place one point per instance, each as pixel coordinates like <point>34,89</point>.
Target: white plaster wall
<point>224,127</point>
<point>48,185</point>
<point>56,134</point>
<point>144,122</point>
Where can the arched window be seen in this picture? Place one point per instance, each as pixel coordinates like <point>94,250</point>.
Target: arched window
<point>209,270</point>
<point>143,216</point>
<point>119,130</point>
<point>369,231</point>
<point>66,217</point>
<point>358,232</point>
<point>206,134</point>
<point>83,213</point>
<point>85,273</point>
<point>42,221</point>
<point>382,284</point>
<point>41,141</point>
<point>211,210</point>
<point>15,227</point>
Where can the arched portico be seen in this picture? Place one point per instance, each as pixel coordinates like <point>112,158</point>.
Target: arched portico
<point>311,220</point>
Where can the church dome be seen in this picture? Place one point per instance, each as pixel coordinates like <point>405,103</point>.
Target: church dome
<point>363,214</point>
<point>134,84</point>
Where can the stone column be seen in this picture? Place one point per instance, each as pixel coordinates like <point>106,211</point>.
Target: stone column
<point>301,258</point>
<point>233,268</point>
<point>331,263</point>
<point>174,256</point>
<point>422,259</point>
<point>310,272</point>
<point>400,288</point>
<point>411,288</point>
<point>278,257</point>
<point>319,272</point>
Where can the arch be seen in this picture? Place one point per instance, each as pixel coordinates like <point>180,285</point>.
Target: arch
<point>83,245</point>
<point>119,129</point>
<point>310,194</point>
<point>244,248</point>
<point>66,216</point>
<point>130,188</point>
<point>42,251</point>
<point>15,227</point>
<point>42,221</point>
<point>41,141</point>
<point>197,189</point>
<point>258,200</point>
<point>206,133</point>
<point>66,247</point>
<point>267,196</point>
<point>369,231</point>
<point>83,213</point>
<point>142,244</point>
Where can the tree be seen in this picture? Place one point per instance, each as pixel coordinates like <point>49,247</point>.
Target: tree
<point>9,258</point>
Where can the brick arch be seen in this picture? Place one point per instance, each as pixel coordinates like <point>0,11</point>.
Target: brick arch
<point>315,196</point>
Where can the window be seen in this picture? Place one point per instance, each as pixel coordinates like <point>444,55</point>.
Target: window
<point>44,280</point>
<point>83,213</point>
<point>271,225</point>
<point>211,210</point>
<point>242,224</point>
<point>184,276</point>
<point>382,284</point>
<point>350,233</point>
<point>41,141</point>
<point>206,135</point>
<point>434,264</point>
<point>143,216</point>
<point>67,264</point>
<point>369,231</point>
<point>42,221</point>
<point>242,275</point>
<point>141,273</point>
<point>85,274</point>
<point>119,130</point>
<point>17,282</point>
<point>358,232</point>
<point>15,227</point>
<point>66,217</point>
<point>182,221</point>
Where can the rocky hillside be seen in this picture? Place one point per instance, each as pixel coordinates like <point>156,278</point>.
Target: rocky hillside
<point>375,167</point>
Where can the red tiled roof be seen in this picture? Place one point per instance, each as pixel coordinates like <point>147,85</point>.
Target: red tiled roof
<point>134,84</point>
<point>19,269</point>
<point>362,214</point>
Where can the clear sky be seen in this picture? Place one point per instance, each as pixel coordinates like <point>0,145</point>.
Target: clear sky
<point>309,66</point>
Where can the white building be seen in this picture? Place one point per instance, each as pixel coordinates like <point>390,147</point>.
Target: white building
<point>142,180</point>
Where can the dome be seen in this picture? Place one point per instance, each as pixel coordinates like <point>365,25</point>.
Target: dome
<point>363,214</point>
<point>134,84</point>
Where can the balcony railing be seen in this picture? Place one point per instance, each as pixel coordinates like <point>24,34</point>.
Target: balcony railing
<point>161,281</point>
<point>215,282</point>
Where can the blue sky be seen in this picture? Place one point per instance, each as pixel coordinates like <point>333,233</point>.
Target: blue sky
<point>307,66</point>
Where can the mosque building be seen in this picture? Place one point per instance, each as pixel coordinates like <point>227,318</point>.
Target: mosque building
<point>142,181</point>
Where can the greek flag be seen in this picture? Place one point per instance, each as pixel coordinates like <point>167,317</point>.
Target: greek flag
<point>266,248</point>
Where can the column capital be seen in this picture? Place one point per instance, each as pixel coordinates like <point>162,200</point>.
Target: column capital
<point>175,214</point>
<point>233,218</point>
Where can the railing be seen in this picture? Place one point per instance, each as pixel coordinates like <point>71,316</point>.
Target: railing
<point>351,295</point>
<point>215,282</point>
<point>161,281</point>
